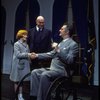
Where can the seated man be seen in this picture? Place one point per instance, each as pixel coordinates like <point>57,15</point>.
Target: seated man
<point>62,55</point>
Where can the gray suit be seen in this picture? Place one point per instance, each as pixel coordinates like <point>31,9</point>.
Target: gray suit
<point>40,78</point>
<point>20,62</point>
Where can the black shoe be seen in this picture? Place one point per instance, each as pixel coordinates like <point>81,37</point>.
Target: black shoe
<point>33,98</point>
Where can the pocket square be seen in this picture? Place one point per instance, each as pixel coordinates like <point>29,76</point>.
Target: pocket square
<point>64,48</point>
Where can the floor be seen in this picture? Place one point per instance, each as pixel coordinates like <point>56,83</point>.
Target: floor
<point>7,90</point>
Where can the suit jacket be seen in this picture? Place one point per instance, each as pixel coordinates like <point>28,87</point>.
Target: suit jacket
<point>39,41</point>
<point>60,60</point>
<point>20,61</point>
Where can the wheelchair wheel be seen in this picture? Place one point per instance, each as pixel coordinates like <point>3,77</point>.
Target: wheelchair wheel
<point>55,91</point>
<point>63,88</point>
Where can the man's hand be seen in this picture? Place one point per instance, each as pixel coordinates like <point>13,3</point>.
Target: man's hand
<point>33,55</point>
<point>57,49</point>
<point>54,45</point>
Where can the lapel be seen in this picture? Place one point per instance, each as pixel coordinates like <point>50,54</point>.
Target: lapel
<point>43,34</point>
<point>65,43</point>
<point>23,44</point>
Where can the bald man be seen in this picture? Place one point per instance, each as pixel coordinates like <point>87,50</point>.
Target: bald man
<point>39,40</point>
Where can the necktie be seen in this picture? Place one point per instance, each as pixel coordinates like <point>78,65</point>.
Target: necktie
<point>40,29</point>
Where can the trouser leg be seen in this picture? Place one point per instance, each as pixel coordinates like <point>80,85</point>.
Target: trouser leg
<point>43,87</point>
<point>35,81</point>
<point>45,82</point>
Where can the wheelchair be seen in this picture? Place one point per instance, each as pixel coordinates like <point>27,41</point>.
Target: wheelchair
<point>61,88</point>
<point>67,88</point>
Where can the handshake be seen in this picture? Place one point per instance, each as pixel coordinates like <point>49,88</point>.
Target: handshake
<point>32,55</point>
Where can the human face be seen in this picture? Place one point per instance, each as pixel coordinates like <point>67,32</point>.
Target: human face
<point>63,31</point>
<point>40,23</point>
<point>24,38</point>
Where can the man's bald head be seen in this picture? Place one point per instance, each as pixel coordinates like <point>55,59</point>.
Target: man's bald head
<point>40,18</point>
<point>40,21</point>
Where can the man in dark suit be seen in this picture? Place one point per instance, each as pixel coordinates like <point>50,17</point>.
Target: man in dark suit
<point>39,41</point>
<point>63,55</point>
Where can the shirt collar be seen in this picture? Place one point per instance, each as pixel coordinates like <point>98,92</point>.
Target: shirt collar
<point>37,28</point>
<point>65,39</point>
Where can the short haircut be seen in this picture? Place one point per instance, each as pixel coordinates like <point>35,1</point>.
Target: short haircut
<point>20,33</point>
<point>70,29</point>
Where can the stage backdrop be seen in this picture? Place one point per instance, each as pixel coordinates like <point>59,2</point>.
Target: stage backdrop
<point>22,14</point>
